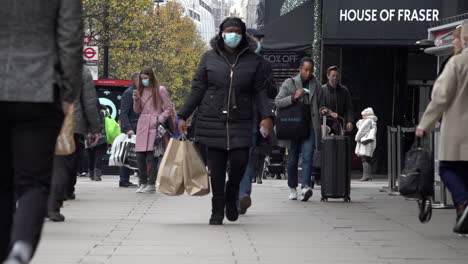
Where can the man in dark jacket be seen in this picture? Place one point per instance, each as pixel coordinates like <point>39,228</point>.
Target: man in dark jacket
<point>128,123</point>
<point>41,64</point>
<point>338,102</point>
<point>86,120</point>
<point>228,82</point>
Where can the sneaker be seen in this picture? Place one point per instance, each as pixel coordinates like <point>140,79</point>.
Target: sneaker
<point>244,203</point>
<point>140,189</point>
<point>306,194</point>
<point>293,194</point>
<point>127,185</point>
<point>461,227</point>
<point>149,189</point>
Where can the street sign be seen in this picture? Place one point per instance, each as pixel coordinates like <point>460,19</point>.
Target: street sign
<point>86,40</point>
<point>93,68</point>
<point>91,53</point>
<point>91,58</point>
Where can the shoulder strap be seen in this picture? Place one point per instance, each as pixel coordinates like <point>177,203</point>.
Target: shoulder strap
<point>149,99</point>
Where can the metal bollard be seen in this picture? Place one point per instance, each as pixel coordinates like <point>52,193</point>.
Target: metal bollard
<point>392,161</point>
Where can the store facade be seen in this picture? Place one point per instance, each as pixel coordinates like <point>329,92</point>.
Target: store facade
<point>374,42</point>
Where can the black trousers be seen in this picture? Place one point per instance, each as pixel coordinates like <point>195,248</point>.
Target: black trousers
<point>81,158</point>
<point>29,132</point>
<point>64,176</point>
<point>77,158</point>
<point>217,162</point>
<point>95,156</point>
<point>148,166</point>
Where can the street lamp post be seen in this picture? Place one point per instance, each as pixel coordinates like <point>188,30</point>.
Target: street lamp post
<point>158,1</point>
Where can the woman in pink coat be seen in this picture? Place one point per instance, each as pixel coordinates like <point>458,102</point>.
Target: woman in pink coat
<point>152,102</point>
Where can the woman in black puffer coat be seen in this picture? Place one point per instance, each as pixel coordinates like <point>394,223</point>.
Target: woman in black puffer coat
<point>229,81</point>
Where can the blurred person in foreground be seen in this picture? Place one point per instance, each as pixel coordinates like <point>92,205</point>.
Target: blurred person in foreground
<point>41,73</point>
<point>449,99</point>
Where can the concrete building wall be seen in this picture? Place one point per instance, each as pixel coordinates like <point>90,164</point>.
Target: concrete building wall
<point>203,14</point>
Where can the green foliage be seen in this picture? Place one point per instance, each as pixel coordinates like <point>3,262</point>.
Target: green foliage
<point>140,35</point>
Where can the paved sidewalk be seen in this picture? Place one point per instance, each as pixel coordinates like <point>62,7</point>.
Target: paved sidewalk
<point>114,225</point>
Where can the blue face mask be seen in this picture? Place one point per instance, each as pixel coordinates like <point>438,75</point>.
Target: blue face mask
<point>232,40</point>
<point>145,82</point>
<point>259,47</point>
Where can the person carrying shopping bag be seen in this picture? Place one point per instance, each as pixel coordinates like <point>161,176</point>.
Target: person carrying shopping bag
<point>366,141</point>
<point>152,102</point>
<point>229,80</point>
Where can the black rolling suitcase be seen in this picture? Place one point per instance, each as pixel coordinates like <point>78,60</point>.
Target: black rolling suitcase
<point>336,167</point>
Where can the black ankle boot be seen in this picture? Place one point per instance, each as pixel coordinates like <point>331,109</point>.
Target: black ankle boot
<point>216,220</point>
<point>217,211</point>
<point>56,216</point>
<point>232,214</point>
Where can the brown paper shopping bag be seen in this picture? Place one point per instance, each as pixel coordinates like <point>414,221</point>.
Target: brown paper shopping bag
<point>195,175</point>
<point>65,144</point>
<point>170,179</point>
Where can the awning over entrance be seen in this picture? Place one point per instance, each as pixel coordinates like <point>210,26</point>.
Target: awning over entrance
<point>292,31</point>
<point>442,35</point>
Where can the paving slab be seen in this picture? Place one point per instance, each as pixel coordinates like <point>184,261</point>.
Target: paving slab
<point>112,225</point>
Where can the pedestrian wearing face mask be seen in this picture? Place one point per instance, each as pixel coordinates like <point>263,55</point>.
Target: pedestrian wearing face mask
<point>228,83</point>
<point>338,102</point>
<point>152,102</point>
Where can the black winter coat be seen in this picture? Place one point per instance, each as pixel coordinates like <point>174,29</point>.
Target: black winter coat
<point>341,97</point>
<point>225,95</point>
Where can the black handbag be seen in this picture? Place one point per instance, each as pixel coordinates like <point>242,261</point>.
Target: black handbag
<point>293,122</point>
<point>417,178</point>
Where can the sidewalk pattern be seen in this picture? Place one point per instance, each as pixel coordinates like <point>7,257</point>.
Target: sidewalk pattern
<point>114,225</point>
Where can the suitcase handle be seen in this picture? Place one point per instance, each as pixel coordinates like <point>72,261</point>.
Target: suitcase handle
<point>324,125</point>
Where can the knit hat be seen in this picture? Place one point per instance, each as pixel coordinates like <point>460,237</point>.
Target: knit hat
<point>232,22</point>
<point>368,111</point>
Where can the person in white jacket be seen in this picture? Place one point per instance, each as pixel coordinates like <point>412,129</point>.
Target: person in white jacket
<point>366,141</point>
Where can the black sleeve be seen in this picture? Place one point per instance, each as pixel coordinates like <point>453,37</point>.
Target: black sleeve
<point>320,97</point>
<point>349,107</point>
<point>324,96</point>
<point>261,93</point>
<point>126,105</point>
<point>69,32</point>
<point>199,87</point>
<point>272,90</point>
<point>88,102</point>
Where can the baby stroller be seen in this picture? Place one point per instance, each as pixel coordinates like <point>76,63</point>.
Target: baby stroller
<point>275,163</point>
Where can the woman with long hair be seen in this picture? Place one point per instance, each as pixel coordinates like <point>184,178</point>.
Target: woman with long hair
<point>152,102</point>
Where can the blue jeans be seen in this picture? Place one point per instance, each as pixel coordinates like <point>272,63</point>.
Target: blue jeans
<point>455,176</point>
<point>307,148</point>
<point>249,174</point>
<point>124,174</point>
